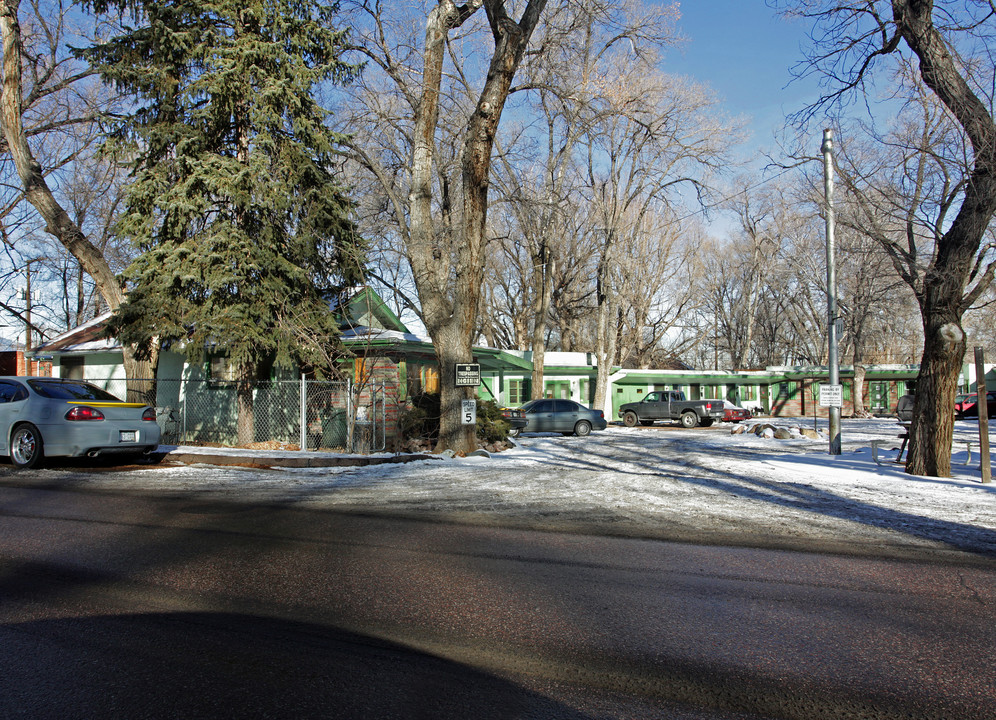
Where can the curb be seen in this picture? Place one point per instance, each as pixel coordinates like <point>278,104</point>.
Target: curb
<point>290,462</point>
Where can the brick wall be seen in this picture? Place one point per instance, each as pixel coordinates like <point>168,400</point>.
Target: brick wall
<point>14,363</point>
<point>804,399</point>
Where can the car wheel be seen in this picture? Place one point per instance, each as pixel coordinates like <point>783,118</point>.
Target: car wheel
<point>515,432</point>
<point>26,446</point>
<point>582,428</point>
<point>689,420</point>
<point>630,419</point>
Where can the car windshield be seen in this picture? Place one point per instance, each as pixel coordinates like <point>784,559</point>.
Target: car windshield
<point>70,390</point>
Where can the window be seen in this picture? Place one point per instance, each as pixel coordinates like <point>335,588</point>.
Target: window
<point>11,391</point>
<point>71,368</point>
<point>221,369</point>
<point>420,378</point>
<point>413,379</point>
<point>70,390</point>
<point>361,371</point>
<point>518,391</point>
<point>430,382</point>
<point>558,389</point>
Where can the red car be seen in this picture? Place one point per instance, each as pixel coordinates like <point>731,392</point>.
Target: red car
<point>734,413</point>
<point>968,405</point>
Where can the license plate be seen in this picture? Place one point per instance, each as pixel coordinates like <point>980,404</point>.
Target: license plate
<point>129,436</point>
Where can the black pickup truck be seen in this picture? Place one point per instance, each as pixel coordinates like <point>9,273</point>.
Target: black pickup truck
<point>671,405</point>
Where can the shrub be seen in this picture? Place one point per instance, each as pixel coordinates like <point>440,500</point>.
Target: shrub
<point>491,426</point>
<point>421,420</point>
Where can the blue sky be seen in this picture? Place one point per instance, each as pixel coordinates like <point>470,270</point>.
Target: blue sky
<point>744,52</point>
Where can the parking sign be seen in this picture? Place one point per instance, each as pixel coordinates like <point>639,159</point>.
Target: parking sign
<point>831,396</point>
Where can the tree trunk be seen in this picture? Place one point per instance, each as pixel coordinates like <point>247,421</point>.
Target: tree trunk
<point>942,302</point>
<point>605,341</point>
<point>542,294</point>
<point>36,190</point>
<point>453,434</point>
<point>245,388</point>
<point>932,429</point>
<point>448,264</point>
<point>858,392</point>
<point>445,308</point>
<point>142,375</point>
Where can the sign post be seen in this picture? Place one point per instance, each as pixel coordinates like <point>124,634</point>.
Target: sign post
<point>983,405</point>
<point>467,375</point>
<point>832,319</point>
<point>832,396</point>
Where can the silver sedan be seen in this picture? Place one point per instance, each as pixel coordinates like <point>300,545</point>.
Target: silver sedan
<point>50,417</point>
<point>563,416</point>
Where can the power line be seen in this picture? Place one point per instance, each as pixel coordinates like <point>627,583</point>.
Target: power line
<point>742,191</point>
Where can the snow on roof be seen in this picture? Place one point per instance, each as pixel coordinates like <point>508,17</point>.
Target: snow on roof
<point>364,333</point>
<point>87,337</point>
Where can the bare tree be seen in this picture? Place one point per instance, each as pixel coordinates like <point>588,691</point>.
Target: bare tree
<point>851,41</point>
<point>443,216</point>
<point>582,47</point>
<point>53,81</point>
<point>663,134</point>
<point>658,283</point>
<point>739,279</point>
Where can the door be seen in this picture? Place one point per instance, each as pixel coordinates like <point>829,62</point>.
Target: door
<point>656,406</point>
<point>879,399</point>
<point>565,415</point>
<point>541,417</point>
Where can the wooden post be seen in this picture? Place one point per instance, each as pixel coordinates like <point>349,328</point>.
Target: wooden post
<point>983,406</point>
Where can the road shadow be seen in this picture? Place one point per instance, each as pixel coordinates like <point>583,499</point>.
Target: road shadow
<point>220,665</point>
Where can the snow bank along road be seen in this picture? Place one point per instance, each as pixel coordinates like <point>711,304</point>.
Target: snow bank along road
<point>701,485</point>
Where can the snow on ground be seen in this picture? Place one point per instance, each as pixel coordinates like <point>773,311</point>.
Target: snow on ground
<point>699,485</point>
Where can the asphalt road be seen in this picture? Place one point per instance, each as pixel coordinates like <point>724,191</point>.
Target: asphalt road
<point>130,606</point>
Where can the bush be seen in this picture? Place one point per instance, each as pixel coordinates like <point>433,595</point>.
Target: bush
<point>491,426</point>
<point>421,420</point>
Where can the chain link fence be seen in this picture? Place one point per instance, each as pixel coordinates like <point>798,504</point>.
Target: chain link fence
<point>317,415</point>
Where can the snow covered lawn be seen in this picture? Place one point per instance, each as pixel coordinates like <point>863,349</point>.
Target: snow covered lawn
<point>697,485</point>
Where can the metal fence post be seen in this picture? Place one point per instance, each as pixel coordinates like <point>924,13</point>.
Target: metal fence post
<point>304,415</point>
<point>350,418</point>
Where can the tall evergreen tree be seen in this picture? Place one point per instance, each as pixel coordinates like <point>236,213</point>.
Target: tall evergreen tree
<point>246,234</point>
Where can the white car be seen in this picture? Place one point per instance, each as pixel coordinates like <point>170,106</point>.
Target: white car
<point>50,417</point>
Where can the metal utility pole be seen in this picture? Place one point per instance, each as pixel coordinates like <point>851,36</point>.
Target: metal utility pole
<point>827,150</point>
